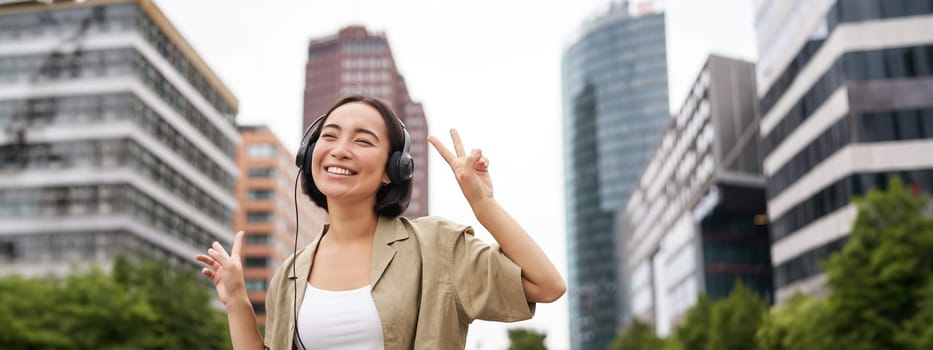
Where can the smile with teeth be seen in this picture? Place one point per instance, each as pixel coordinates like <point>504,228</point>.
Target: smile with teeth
<point>339,171</point>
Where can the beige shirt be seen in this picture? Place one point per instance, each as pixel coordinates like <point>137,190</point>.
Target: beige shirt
<point>430,279</point>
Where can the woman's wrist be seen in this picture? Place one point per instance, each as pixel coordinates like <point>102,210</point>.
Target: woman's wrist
<point>482,207</point>
<point>238,298</point>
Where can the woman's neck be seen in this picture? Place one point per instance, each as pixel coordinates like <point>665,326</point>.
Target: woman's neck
<point>351,222</point>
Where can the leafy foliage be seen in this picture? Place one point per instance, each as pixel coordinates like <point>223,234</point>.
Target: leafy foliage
<point>881,284</point>
<point>526,339</point>
<point>637,336</point>
<point>797,324</point>
<point>694,333</point>
<point>880,293</point>
<point>735,320</point>
<point>139,306</point>
<point>877,280</point>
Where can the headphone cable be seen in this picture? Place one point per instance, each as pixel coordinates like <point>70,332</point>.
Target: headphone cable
<point>294,277</point>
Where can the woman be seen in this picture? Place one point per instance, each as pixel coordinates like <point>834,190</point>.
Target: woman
<point>373,279</point>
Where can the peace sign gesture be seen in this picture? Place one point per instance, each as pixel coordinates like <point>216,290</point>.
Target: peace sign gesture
<point>471,171</point>
<point>225,270</point>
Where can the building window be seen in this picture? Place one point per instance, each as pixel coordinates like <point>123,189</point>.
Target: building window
<point>257,262</point>
<point>259,195</point>
<point>261,172</point>
<point>806,264</point>
<point>261,150</point>
<point>260,308</point>
<point>255,285</point>
<point>258,239</point>
<point>259,216</point>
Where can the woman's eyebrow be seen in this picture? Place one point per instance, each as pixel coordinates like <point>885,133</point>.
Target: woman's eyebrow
<point>358,130</point>
<point>367,131</point>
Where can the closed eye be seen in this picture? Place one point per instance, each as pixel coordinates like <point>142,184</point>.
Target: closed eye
<point>364,142</point>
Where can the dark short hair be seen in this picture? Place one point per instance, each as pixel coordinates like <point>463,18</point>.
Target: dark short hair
<point>391,199</point>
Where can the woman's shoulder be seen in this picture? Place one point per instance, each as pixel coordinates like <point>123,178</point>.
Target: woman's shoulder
<point>436,229</point>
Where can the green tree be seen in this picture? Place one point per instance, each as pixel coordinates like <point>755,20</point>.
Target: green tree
<point>185,318</point>
<point>799,323</point>
<point>918,332</point>
<point>161,309</point>
<point>526,339</point>
<point>87,311</point>
<point>637,336</point>
<point>735,320</point>
<point>878,279</point>
<point>694,332</point>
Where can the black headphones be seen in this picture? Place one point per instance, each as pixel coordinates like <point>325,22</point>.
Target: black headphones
<point>399,168</point>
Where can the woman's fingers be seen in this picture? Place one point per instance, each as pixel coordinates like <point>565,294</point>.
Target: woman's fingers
<point>220,257</point>
<point>237,243</point>
<point>482,164</point>
<point>445,153</point>
<point>219,248</point>
<point>458,145</point>
<point>473,158</point>
<point>209,261</point>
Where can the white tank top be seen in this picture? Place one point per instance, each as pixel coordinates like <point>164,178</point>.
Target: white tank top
<point>345,319</point>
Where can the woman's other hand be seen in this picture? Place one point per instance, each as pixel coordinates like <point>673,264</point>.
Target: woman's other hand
<point>225,270</point>
<point>471,170</point>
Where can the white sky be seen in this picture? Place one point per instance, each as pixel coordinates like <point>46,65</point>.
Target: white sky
<point>490,68</point>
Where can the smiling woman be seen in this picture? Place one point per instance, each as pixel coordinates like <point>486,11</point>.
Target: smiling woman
<point>373,279</point>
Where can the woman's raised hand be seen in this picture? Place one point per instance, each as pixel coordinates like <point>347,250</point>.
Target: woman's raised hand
<point>471,170</point>
<point>225,270</point>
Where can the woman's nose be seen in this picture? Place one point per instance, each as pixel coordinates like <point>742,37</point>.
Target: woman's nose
<point>340,151</point>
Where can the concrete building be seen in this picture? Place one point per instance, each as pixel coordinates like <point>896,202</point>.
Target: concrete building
<point>844,89</point>
<point>696,221</point>
<point>355,61</point>
<point>265,190</point>
<point>117,138</point>
<point>614,81</point>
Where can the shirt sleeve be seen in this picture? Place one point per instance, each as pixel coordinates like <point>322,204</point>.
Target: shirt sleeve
<point>488,284</point>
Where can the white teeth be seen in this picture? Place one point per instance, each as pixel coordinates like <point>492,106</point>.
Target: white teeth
<point>339,171</point>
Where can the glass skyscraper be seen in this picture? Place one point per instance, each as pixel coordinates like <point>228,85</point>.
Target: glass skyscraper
<point>615,105</point>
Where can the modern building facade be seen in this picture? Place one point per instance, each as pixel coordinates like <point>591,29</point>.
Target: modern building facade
<point>265,191</point>
<point>615,105</point>
<point>844,89</point>
<point>696,221</point>
<point>117,138</point>
<point>356,61</point>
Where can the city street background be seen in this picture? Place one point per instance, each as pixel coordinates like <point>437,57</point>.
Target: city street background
<point>489,68</point>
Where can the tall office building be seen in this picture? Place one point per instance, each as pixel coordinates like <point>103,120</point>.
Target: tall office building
<point>844,89</point>
<point>614,81</point>
<point>356,61</point>
<point>116,138</point>
<point>265,190</point>
<point>696,221</point>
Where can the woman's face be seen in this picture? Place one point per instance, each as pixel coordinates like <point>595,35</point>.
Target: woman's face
<point>348,160</point>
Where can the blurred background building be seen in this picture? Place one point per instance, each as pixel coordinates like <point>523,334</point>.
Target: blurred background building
<point>695,222</point>
<point>355,61</point>
<point>844,89</point>
<point>116,138</point>
<point>615,105</point>
<point>265,190</point>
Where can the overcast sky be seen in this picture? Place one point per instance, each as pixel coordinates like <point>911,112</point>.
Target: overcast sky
<point>490,68</point>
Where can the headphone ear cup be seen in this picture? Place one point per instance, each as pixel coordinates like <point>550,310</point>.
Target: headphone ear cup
<point>306,162</point>
<point>406,167</point>
<point>392,167</point>
<point>400,167</point>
